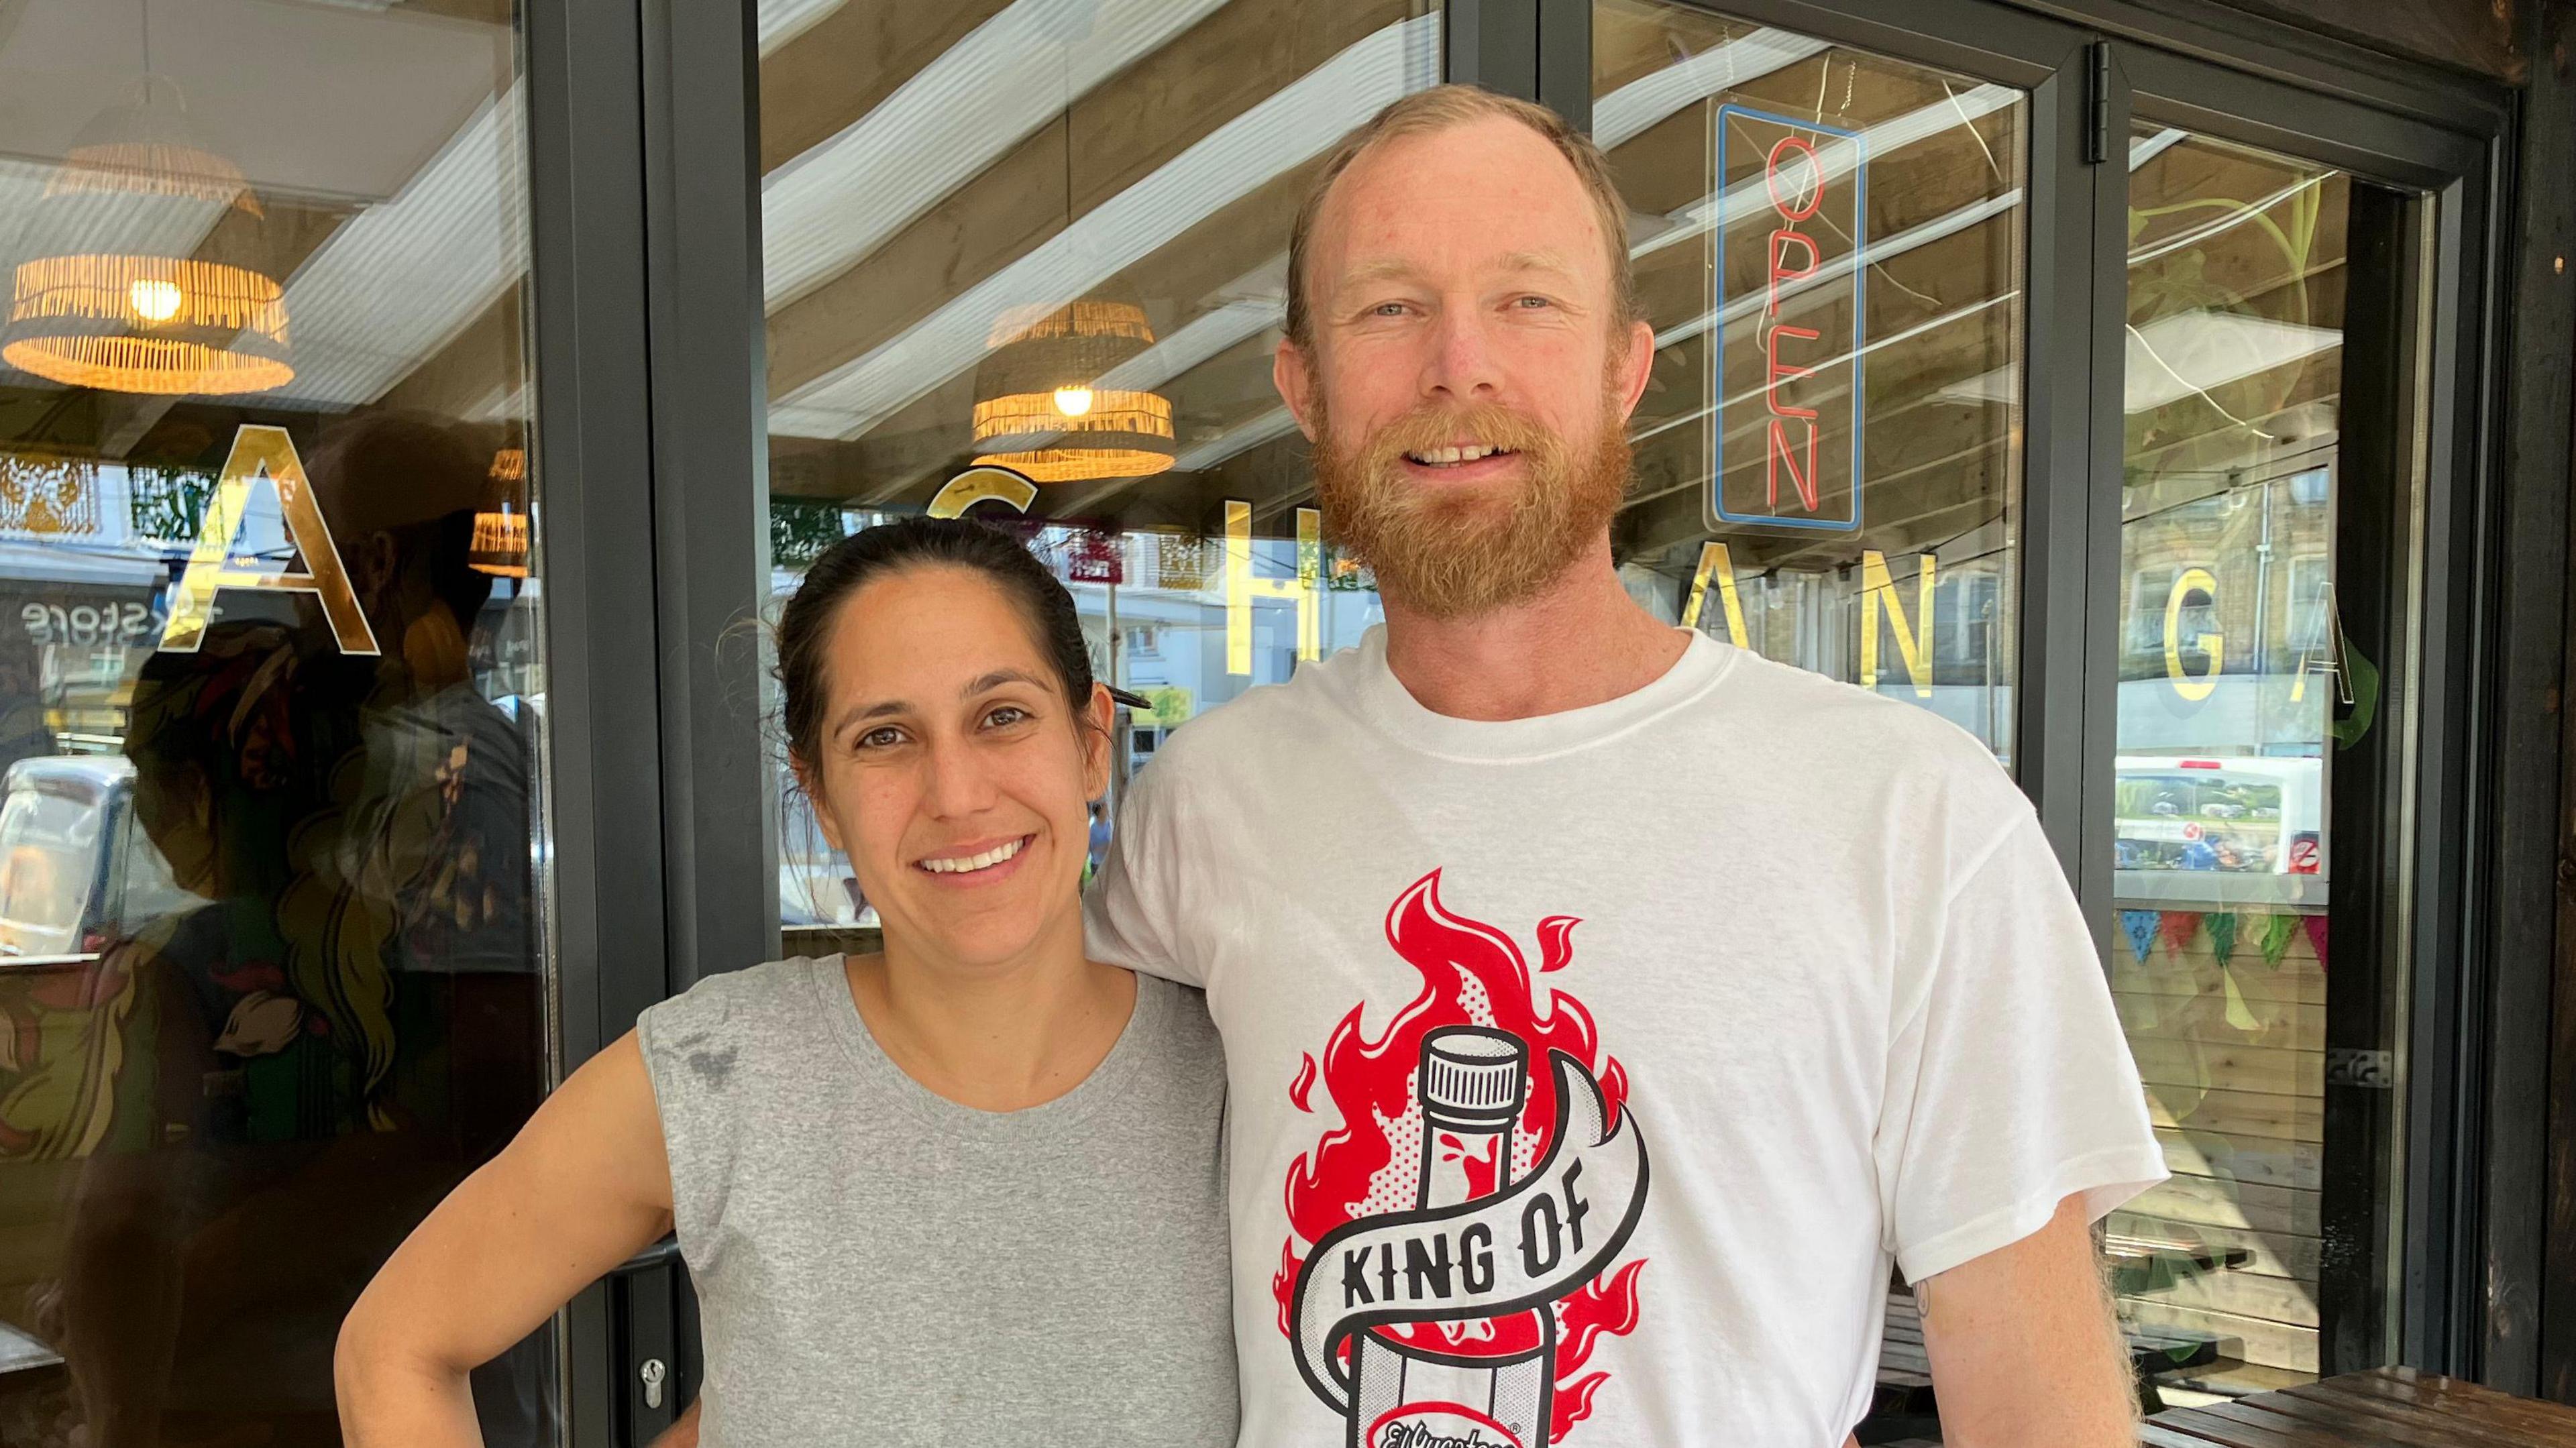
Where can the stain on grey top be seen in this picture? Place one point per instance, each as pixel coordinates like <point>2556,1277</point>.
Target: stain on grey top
<point>714,1067</point>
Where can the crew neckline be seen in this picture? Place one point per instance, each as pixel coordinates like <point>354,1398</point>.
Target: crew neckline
<point>1378,696</point>
<point>829,977</point>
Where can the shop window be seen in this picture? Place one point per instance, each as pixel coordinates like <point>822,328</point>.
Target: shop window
<point>1147,236</point>
<point>1060,249</point>
<point>1826,541</point>
<point>271,836</point>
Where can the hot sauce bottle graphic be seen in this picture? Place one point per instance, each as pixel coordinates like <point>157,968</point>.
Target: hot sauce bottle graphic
<point>1425,1380</point>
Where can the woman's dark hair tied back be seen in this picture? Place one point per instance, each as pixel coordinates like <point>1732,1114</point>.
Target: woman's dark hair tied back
<point>805,626</point>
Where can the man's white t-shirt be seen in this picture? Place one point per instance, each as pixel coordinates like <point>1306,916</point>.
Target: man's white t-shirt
<point>1723,995</point>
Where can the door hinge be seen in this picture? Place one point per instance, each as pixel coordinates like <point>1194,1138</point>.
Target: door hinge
<point>2373,1070</point>
<point>2097,103</point>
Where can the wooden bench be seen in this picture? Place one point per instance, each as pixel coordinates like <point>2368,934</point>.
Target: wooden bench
<point>2385,1408</point>
<point>2148,1264</point>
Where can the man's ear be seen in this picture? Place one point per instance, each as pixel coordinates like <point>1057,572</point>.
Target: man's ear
<point>1295,380</point>
<point>1636,366</point>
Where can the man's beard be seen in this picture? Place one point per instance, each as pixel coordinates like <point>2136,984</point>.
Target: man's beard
<point>1451,556</point>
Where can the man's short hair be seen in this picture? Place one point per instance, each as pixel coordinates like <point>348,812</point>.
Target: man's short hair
<point>1442,108</point>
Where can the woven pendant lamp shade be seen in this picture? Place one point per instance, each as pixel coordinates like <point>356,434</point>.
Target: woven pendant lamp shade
<point>137,271</point>
<point>500,545</point>
<point>1039,408</point>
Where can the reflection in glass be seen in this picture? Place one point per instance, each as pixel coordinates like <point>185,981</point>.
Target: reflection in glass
<point>934,206</point>
<point>272,975</point>
<point>1051,236</point>
<point>1830,247</point>
<point>2234,683</point>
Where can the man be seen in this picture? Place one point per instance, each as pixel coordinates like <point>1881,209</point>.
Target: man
<point>1606,1009</point>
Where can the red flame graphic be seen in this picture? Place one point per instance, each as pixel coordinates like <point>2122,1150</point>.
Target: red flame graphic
<point>1472,974</point>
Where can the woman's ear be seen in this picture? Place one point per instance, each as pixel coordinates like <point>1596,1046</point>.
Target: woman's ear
<point>1097,719</point>
<point>810,781</point>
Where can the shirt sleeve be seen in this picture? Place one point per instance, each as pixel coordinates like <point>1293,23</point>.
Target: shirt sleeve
<point>1127,916</point>
<point>2009,1084</point>
<point>700,1135</point>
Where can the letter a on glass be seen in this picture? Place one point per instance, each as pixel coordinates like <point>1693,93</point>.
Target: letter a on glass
<point>260,451</point>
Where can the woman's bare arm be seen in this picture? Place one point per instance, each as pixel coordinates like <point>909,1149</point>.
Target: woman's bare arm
<point>585,1185</point>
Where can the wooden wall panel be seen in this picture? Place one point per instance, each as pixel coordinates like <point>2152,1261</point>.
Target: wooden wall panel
<point>2237,1091</point>
<point>2473,35</point>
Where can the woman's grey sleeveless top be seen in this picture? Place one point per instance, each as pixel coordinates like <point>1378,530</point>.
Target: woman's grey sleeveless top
<point>876,1264</point>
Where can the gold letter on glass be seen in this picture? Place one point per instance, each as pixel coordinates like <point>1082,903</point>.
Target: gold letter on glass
<point>2192,688</point>
<point>1242,586</point>
<point>264,451</point>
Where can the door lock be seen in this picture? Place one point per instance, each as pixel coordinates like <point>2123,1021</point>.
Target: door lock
<point>653,1373</point>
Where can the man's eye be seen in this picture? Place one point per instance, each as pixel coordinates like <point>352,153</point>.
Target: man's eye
<point>1531,302</point>
<point>1388,309</point>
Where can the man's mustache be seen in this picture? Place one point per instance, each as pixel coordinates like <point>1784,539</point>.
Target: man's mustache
<point>1491,424</point>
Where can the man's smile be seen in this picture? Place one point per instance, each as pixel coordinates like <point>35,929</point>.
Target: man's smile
<point>1462,463</point>
<point>1456,453</point>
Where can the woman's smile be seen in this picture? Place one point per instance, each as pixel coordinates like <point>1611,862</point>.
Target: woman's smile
<point>976,862</point>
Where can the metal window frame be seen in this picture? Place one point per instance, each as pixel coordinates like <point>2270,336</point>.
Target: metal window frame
<point>649,371</point>
<point>709,357</point>
<point>593,455</point>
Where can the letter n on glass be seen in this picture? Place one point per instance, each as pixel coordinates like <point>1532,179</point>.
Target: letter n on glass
<point>1788,263</point>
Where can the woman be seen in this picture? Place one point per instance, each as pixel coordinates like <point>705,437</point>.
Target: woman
<point>965,1191</point>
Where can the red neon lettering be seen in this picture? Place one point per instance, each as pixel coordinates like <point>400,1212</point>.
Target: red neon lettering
<point>1771,384</point>
<point>1781,271</point>
<point>1815,171</point>
<point>1780,456</point>
<point>1805,199</point>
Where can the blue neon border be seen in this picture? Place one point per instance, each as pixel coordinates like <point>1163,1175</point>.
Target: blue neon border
<point>1860,316</point>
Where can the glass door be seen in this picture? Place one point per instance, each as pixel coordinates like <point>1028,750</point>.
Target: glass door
<point>273,968</point>
<point>2237,688</point>
<point>2277,505</point>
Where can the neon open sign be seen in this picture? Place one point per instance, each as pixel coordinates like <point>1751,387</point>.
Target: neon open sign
<point>1785,371</point>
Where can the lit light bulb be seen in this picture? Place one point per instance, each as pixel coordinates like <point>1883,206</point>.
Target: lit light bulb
<point>1073,401</point>
<point>155,300</point>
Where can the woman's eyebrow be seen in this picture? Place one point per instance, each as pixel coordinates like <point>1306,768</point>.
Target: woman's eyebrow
<point>994,680</point>
<point>857,712</point>
<point>997,679</point>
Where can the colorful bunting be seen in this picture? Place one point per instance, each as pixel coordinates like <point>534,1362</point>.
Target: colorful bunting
<point>2140,927</point>
<point>2222,936</point>
<point>2277,930</point>
<point>2317,937</point>
<point>2179,927</point>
